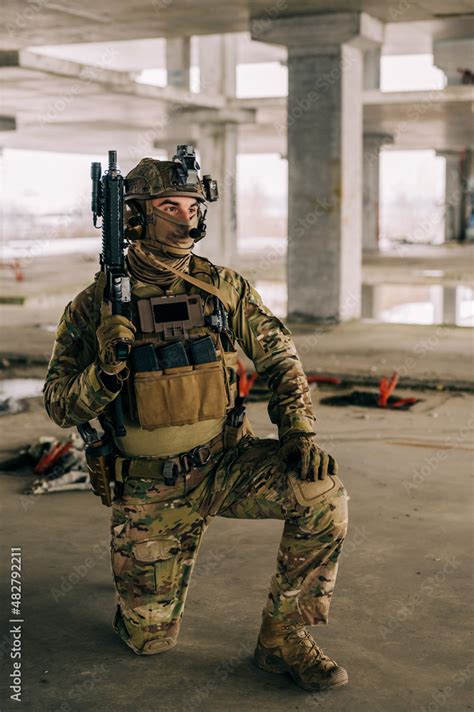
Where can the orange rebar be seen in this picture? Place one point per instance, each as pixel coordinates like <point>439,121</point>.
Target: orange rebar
<point>324,379</point>
<point>16,266</point>
<point>245,381</point>
<point>386,388</point>
<point>403,401</point>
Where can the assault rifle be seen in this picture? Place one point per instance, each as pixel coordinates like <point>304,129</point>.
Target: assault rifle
<point>107,203</point>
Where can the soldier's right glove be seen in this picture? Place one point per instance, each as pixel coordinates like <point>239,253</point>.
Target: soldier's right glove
<point>300,453</point>
<point>115,333</point>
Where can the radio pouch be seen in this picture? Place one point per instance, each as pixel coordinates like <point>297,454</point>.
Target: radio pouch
<point>99,458</point>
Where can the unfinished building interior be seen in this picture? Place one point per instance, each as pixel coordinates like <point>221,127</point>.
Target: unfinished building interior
<point>341,136</point>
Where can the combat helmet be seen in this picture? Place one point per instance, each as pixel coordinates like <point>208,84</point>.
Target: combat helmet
<point>153,178</point>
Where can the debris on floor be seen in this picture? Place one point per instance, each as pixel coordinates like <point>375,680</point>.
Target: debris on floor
<point>254,389</point>
<point>382,399</point>
<point>60,464</point>
<point>11,406</point>
<point>367,399</point>
<point>13,391</point>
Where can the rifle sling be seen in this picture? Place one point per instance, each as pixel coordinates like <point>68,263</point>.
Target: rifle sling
<point>210,288</point>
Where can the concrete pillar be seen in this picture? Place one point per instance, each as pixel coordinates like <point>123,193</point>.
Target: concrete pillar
<point>453,195</point>
<point>218,154</point>
<point>371,161</point>
<point>178,69</point>
<point>436,298</point>
<point>372,68</point>
<point>7,123</point>
<point>454,55</point>
<point>3,222</point>
<point>325,58</point>
<point>178,62</point>
<point>371,190</point>
<point>217,145</point>
<point>451,306</point>
<point>217,64</point>
<point>371,302</point>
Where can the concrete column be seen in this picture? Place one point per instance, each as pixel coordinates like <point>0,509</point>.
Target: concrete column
<point>7,123</point>
<point>217,145</point>
<point>371,302</point>
<point>453,195</point>
<point>371,190</point>
<point>436,298</point>
<point>372,68</point>
<point>178,69</point>
<point>3,222</point>
<point>217,64</point>
<point>218,151</point>
<point>178,62</point>
<point>325,58</point>
<point>451,306</point>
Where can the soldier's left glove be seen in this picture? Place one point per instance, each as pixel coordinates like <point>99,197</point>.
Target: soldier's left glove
<point>114,331</point>
<point>300,454</point>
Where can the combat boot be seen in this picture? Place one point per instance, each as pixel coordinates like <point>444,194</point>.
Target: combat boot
<point>288,647</point>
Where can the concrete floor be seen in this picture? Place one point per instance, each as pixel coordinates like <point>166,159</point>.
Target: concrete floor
<point>399,621</point>
<point>400,616</point>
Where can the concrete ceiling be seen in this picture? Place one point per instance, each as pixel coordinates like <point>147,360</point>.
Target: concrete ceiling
<point>422,119</point>
<point>136,55</point>
<point>84,96</point>
<point>418,37</point>
<point>51,22</point>
<point>71,115</point>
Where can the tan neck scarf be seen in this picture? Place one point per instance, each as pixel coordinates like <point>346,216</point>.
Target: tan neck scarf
<point>166,239</point>
<point>142,264</point>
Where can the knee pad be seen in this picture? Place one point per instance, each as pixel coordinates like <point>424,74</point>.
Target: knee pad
<point>143,638</point>
<point>329,494</point>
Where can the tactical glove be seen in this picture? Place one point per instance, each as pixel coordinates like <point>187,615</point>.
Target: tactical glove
<point>114,333</point>
<point>301,455</point>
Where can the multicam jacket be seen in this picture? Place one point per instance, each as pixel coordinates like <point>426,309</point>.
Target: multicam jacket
<point>74,392</point>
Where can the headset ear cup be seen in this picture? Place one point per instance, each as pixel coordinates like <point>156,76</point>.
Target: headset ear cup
<point>134,220</point>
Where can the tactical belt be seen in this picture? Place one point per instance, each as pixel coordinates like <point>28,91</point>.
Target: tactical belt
<point>170,468</point>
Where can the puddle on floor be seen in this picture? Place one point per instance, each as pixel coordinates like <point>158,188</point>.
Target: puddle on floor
<point>18,388</point>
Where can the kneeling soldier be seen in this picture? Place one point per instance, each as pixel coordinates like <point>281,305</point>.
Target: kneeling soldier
<point>189,452</point>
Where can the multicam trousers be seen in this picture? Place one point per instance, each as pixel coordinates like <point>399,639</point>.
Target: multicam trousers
<point>157,530</point>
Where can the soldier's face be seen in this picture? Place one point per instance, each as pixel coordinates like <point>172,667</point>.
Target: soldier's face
<point>178,206</point>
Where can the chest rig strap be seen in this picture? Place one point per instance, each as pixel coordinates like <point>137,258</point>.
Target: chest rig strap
<point>210,288</point>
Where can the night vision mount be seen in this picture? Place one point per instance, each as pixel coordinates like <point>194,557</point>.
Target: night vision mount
<point>187,169</point>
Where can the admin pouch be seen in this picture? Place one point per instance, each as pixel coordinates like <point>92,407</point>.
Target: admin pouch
<point>181,395</point>
<point>185,394</point>
<point>166,393</point>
